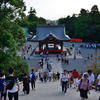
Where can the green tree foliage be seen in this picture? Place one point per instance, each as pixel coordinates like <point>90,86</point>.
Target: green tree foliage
<point>11,35</point>
<point>32,15</point>
<point>81,24</point>
<point>31,21</point>
<point>85,25</point>
<point>69,24</point>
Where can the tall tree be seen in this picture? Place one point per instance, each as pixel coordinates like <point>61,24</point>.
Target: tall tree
<point>69,24</point>
<point>94,24</point>
<point>84,25</point>
<point>11,34</point>
<point>95,10</point>
<point>32,14</point>
<point>34,20</point>
<point>83,12</point>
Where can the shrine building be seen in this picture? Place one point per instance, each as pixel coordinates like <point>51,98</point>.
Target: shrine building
<point>50,39</point>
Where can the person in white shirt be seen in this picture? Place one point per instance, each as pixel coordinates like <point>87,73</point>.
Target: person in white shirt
<point>50,74</point>
<point>64,81</point>
<point>98,81</point>
<point>90,77</point>
<point>36,74</point>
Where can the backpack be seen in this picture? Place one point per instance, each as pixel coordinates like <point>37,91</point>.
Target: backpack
<point>81,83</point>
<point>1,84</point>
<point>26,80</point>
<point>10,82</point>
<point>33,77</point>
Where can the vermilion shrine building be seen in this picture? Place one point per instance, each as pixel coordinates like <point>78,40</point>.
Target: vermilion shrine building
<point>50,39</point>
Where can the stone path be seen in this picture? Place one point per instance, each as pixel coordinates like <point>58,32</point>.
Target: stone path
<point>52,91</point>
<point>78,63</point>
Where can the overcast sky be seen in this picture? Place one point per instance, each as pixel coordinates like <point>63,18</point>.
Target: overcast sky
<point>54,9</point>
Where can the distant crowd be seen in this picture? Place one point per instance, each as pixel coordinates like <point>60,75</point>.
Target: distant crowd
<point>82,82</point>
<point>90,45</point>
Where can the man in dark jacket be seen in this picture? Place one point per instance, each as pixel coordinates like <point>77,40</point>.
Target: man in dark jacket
<point>12,85</point>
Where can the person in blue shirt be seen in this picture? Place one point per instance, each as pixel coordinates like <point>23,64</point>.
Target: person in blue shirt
<point>2,79</point>
<point>33,79</point>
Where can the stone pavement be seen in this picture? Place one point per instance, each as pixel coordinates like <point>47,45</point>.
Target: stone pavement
<point>78,63</point>
<point>52,91</point>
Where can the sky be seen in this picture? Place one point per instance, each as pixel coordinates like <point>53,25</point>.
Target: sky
<point>55,9</point>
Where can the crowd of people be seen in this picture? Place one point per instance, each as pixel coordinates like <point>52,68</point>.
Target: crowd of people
<point>91,45</point>
<point>49,76</point>
<point>82,82</point>
<point>27,51</point>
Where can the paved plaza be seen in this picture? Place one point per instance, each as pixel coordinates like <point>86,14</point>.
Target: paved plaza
<point>52,90</point>
<point>81,62</point>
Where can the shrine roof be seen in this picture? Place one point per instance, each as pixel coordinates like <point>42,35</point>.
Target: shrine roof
<point>43,32</point>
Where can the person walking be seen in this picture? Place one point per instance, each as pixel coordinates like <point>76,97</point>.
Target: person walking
<point>45,76</point>
<point>98,82</point>
<point>2,79</point>
<point>54,76</point>
<point>91,77</point>
<point>58,75</point>
<point>64,81</point>
<point>75,75</point>
<point>33,79</point>
<point>70,79</point>
<point>26,86</point>
<point>11,85</point>
<point>41,75</point>
<point>50,75</point>
<point>83,87</point>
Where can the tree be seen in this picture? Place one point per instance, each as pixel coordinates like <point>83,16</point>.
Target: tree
<point>94,33</point>
<point>84,25</point>
<point>83,12</point>
<point>11,34</point>
<point>31,21</point>
<point>69,24</point>
<point>95,10</point>
<point>94,25</point>
<point>32,15</point>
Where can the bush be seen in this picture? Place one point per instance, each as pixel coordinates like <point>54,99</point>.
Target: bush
<point>95,67</point>
<point>17,63</point>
